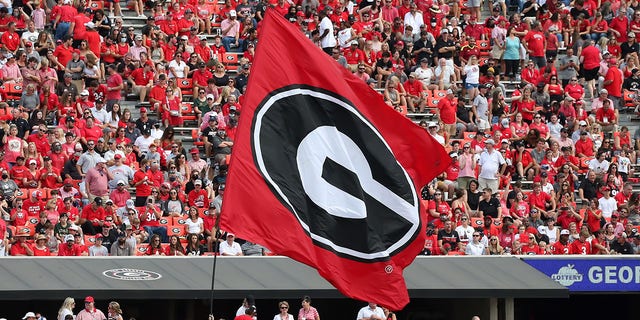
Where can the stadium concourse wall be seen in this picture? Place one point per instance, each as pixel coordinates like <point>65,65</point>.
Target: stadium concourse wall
<point>496,287</point>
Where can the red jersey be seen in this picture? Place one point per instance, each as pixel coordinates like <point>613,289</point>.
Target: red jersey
<point>198,199</point>
<point>580,247</point>
<point>559,248</point>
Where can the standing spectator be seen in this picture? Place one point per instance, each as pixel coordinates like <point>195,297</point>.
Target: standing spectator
<point>492,166</point>
<point>307,311</point>
<point>90,312</point>
<point>66,309</point>
<point>97,179</point>
<point>590,59</point>
<point>613,83</point>
<point>114,86</point>
<point>447,111</point>
<point>114,311</point>
<point>326,34</point>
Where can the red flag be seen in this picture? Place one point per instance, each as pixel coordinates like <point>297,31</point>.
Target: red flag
<point>325,172</point>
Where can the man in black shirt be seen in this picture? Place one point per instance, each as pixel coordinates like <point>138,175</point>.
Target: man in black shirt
<point>384,68</point>
<point>445,46</point>
<point>588,187</point>
<point>423,48</point>
<point>448,237</point>
<point>489,205</point>
<point>621,246</point>
<point>628,47</point>
<point>632,83</point>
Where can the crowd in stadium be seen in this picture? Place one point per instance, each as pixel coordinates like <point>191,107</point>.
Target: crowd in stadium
<point>246,311</point>
<point>527,102</point>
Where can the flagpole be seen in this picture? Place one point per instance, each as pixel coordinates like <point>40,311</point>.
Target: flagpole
<point>215,260</point>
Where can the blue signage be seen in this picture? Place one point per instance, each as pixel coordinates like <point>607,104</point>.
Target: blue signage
<point>591,274</point>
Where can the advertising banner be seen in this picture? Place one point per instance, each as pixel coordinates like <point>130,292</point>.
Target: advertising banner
<point>591,274</point>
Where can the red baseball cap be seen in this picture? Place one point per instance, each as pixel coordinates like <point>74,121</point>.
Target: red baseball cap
<point>194,150</point>
<point>117,156</point>
<point>89,299</point>
<point>143,110</point>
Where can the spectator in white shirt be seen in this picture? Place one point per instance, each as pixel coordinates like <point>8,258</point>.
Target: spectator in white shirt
<point>230,247</point>
<point>475,247</point>
<point>370,312</point>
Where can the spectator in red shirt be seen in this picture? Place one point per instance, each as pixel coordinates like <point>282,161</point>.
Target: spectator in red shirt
<point>541,201</point>
<point>584,145</point>
<point>562,245</point>
<point>415,94</point>
<point>142,79</point>
<point>581,245</point>
<point>613,82</point>
<point>198,197</point>
<point>567,158</point>
<point>535,43</point>
<point>92,218</point>
<point>590,58</point>
<point>606,117</point>
<point>354,56</point>
<point>68,248</point>
<point>21,247</point>
<point>10,39</point>
<point>447,111</point>
<point>200,77</point>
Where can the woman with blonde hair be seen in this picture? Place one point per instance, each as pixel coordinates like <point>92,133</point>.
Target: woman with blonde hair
<point>67,308</point>
<point>114,312</point>
<point>284,312</point>
<point>494,246</point>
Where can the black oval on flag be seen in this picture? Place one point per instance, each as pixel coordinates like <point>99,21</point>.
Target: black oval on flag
<point>334,171</point>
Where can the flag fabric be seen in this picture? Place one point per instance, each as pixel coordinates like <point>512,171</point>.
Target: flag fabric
<point>324,172</point>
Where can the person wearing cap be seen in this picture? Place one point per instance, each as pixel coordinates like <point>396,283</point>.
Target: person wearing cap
<point>230,247</point>
<point>198,197</point>
<point>415,93</point>
<point>115,84</point>
<point>92,218</point>
<point>137,48</point>
<point>607,203</point>
<point>97,249</point>
<point>125,244</point>
<point>491,166</point>
<point>621,245</point>
<point>96,180</point>
<point>432,128</point>
<point>446,109</point>
<point>354,55</point>
<point>230,31</point>
<point>561,246</point>
<point>142,79</point>
<point>90,312</point>
<point>21,247</point>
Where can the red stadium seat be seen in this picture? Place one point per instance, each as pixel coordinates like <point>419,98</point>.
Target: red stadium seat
<point>186,86</point>
<point>177,230</point>
<point>187,112</point>
<point>141,249</point>
<point>231,60</point>
<point>196,138</point>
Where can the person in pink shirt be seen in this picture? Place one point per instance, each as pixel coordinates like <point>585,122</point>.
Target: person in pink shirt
<point>90,312</point>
